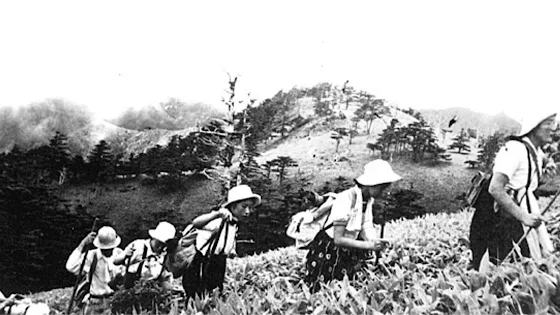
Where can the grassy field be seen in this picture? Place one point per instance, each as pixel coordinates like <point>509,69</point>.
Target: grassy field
<point>425,272</point>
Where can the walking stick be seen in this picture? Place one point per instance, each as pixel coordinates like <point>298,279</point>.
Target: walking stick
<point>378,252</point>
<point>530,228</point>
<point>84,250</point>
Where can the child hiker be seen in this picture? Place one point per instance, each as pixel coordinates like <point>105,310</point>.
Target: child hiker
<point>216,241</point>
<point>147,257</point>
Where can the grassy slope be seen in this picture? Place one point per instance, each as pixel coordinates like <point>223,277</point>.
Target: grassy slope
<point>430,255</point>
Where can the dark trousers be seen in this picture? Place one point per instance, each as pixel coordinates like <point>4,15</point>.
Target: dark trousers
<point>204,274</point>
<point>495,233</point>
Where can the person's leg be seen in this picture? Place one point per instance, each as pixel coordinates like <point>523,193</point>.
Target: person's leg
<point>509,231</point>
<point>214,273</point>
<point>192,282</point>
<point>480,235</point>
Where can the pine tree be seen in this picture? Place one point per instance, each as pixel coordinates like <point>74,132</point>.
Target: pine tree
<point>369,111</point>
<point>389,137</point>
<point>59,158</point>
<point>460,142</point>
<point>100,162</point>
<point>489,148</point>
<point>281,163</point>
<point>337,134</point>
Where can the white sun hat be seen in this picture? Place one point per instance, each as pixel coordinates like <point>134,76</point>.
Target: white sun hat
<point>530,121</point>
<point>377,172</point>
<point>241,192</point>
<point>29,308</point>
<point>163,232</point>
<point>106,238</point>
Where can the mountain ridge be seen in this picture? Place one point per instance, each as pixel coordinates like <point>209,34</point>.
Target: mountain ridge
<point>485,124</point>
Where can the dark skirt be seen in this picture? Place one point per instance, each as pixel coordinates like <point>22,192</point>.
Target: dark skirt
<point>326,261</point>
<point>495,233</point>
<point>204,274</point>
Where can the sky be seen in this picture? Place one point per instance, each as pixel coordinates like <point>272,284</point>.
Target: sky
<point>489,56</point>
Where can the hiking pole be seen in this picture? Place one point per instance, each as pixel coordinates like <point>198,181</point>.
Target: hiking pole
<point>84,250</point>
<point>530,228</point>
<point>383,212</point>
<point>378,252</point>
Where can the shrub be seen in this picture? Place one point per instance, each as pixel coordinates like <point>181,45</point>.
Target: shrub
<point>146,295</point>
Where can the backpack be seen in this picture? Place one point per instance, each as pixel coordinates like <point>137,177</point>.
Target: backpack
<point>84,283</point>
<point>181,256</point>
<point>478,196</point>
<point>305,225</point>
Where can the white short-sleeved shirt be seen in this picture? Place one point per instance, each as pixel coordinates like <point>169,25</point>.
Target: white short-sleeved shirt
<point>348,209</point>
<point>151,258</point>
<point>105,268</point>
<point>511,161</point>
<point>226,240</point>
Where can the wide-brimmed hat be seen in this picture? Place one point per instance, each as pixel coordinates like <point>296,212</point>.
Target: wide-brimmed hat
<point>377,172</point>
<point>241,192</point>
<point>106,238</point>
<point>163,232</point>
<point>29,308</point>
<point>531,121</point>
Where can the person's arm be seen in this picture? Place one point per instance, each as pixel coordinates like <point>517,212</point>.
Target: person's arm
<point>120,258</point>
<point>201,221</point>
<point>7,301</point>
<point>343,241</point>
<point>499,192</point>
<point>75,259</point>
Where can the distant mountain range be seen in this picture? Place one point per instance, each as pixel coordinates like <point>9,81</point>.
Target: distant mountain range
<point>467,118</point>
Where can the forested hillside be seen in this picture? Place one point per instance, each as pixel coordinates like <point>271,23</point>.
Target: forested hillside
<point>132,179</point>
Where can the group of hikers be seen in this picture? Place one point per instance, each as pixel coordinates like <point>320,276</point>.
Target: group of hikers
<point>348,238</point>
<point>144,259</point>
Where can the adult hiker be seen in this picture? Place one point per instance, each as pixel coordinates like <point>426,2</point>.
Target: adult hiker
<point>16,304</point>
<point>216,241</point>
<point>518,171</point>
<point>349,236</point>
<point>99,266</point>
<point>144,258</point>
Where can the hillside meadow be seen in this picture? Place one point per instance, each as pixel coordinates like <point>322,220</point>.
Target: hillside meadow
<point>424,272</point>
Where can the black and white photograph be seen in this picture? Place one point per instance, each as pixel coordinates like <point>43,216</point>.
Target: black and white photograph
<point>279,157</point>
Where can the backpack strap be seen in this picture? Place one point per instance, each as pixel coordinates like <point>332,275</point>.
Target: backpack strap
<point>141,264</point>
<point>533,154</point>
<point>354,199</point>
<point>212,242</point>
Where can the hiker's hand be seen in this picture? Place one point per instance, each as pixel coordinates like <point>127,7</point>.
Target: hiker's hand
<point>129,251</point>
<point>379,244</point>
<point>88,240</point>
<point>533,219</point>
<point>225,214</point>
<point>12,298</point>
<point>550,168</point>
